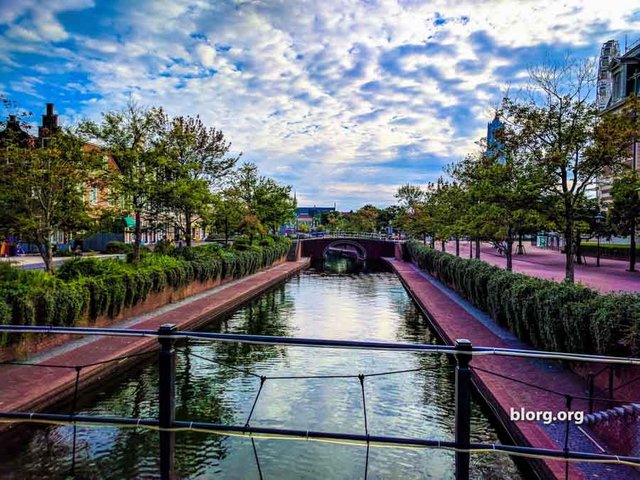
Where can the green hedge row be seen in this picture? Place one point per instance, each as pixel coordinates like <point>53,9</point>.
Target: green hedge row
<point>607,250</point>
<point>546,314</point>
<point>88,288</point>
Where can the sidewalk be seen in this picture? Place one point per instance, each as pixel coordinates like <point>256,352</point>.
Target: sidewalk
<point>30,389</point>
<point>34,262</point>
<point>455,318</point>
<point>610,276</point>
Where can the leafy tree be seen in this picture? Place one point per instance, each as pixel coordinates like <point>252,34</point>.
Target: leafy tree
<point>364,219</point>
<point>508,188</point>
<point>225,213</point>
<point>43,190</point>
<point>625,209</point>
<point>558,127</point>
<point>415,217</point>
<point>195,160</point>
<point>270,203</point>
<point>131,137</point>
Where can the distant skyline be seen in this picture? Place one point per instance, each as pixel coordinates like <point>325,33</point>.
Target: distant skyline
<point>343,100</point>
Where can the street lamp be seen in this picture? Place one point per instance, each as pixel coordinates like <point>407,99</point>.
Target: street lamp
<point>599,218</point>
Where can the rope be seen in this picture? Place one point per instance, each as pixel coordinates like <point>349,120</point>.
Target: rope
<point>226,365</point>
<point>255,401</point>
<point>86,365</point>
<point>554,392</point>
<point>475,449</point>
<point>255,454</point>
<point>75,425</point>
<point>366,424</point>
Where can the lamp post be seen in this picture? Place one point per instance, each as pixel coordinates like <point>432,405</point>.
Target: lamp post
<point>599,218</point>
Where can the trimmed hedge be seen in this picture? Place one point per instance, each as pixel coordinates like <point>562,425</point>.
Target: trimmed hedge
<point>88,288</point>
<point>546,314</point>
<point>607,250</point>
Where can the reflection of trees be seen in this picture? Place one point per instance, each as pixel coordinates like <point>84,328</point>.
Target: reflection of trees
<point>267,315</point>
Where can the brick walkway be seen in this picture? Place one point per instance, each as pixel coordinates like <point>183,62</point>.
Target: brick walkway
<point>455,318</point>
<point>610,276</point>
<point>28,389</point>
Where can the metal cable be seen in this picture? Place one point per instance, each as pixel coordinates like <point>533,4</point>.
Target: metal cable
<point>255,401</point>
<point>75,425</point>
<point>555,392</point>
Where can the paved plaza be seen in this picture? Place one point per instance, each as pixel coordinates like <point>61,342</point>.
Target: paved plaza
<point>610,276</point>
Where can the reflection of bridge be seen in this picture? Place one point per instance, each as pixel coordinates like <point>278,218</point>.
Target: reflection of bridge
<point>362,248</point>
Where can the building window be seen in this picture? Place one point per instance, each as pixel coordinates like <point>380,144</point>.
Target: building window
<point>93,195</point>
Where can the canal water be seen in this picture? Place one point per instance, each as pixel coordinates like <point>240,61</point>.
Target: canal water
<point>320,304</point>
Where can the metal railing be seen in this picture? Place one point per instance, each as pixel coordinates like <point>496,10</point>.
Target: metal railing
<point>349,235</point>
<point>167,425</point>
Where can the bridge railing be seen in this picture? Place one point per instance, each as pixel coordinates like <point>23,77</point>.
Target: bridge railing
<point>167,425</point>
<point>350,235</point>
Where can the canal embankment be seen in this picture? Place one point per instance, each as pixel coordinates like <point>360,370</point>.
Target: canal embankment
<point>511,383</point>
<point>49,382</point>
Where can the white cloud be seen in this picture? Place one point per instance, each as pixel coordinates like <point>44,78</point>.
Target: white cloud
<point>319,94</point>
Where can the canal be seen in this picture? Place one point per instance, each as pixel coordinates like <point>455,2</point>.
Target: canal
<point>359,306</point>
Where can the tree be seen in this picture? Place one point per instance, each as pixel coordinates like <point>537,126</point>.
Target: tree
<point>364,219</point>
<point>226,213</point>
<point>43,190</point>
<point>508,188</point>
<point>131,137</point>
<point>415,217</point>
<point>195,161</point>
<point>270,203</point>
<point>447,203</point>
<point>557,126</point>
<point>625,209</point>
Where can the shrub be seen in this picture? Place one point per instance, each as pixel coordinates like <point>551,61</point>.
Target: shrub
<point>115,246</point>
<point>91,287</point>
<point>543,313</point>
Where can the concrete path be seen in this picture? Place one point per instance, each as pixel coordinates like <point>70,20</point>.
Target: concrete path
<point>34,262</point>
<point>29,389</point>
<point>455,318</point>
<point>610,276</point>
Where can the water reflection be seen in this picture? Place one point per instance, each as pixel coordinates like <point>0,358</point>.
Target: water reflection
<point>371,306</point>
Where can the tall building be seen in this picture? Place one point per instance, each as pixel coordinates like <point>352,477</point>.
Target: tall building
<point>618,78</point>
<point>494,146</point>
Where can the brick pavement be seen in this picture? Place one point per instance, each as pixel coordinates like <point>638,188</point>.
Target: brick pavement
<point>28,389</point>
<point>610,276</point>
<point>454,318</point>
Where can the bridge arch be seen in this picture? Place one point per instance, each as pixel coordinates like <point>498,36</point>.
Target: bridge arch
<point>361,251</point>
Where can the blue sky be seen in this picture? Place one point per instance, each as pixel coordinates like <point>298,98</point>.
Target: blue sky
<point>343,100</point>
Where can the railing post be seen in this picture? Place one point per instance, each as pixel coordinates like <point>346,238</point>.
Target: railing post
<point>463,407</point>
<point>611,382</point>
<point>167,401</point>
<point>591,383</point>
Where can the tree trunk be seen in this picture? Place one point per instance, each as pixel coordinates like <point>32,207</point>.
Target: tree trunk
<point>568,248</point>
<point>457,247</point>
<point>632,250</point>
<point>226,232</point>
<point>470,248</point>
<point>187,221</point>
<point>508,252</point>
<point>520,247</point>
<point>46,252</point>
<point>432,243</point>
<point>578,249</point>
<point>443,245</point>
<point>137,236</point>
<point>478,248</point>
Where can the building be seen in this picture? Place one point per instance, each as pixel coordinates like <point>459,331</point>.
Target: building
<point>618,79</point>
<point>494,146</point>
<point>97,195</point>
<point>309,215</point>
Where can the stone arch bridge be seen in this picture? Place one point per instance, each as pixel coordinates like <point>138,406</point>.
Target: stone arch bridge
<point>365,248</point>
